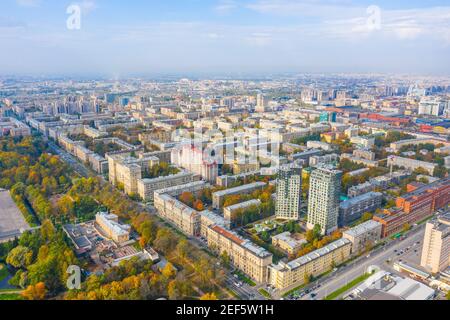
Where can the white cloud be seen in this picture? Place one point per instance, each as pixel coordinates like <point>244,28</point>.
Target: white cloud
<point>87,6</point>
<point>28,3</point>
<point>226,6</point>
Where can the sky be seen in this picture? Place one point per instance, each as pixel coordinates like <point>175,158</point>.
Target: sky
<point>120,38</point>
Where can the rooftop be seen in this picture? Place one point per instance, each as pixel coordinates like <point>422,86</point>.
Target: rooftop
<point>363,228</point>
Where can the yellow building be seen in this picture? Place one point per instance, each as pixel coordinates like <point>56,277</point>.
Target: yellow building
<point>243,254</point>
<point>286,276</point>
<point>111,228</point>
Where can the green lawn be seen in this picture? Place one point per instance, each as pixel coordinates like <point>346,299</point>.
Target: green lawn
<point>294,290</point>
<point>347,287</point>
<point>265,293</point>
<point>3,272</point>
<point>11,296</point>
<point>245,279</point>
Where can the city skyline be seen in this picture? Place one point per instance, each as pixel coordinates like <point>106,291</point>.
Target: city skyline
<point>224,37</point>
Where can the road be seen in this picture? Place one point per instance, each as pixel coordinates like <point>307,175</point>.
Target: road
<point>69,159</point>
<point>377,257</point>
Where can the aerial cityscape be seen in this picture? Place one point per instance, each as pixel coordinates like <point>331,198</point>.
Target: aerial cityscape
<point>199,153</point>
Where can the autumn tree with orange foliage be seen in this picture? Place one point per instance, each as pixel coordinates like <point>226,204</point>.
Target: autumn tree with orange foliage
<point>36,292</point>
<point>187,198</point>
<point>198,205</point>
<point>209,296</point>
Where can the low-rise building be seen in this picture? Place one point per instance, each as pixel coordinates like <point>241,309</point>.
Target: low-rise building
<point>147,187</point>
<point>230,213</point>
<point>353,208</point>
<point>412,164</point>
<point>110,227</point>
<point>287,243</point>
<point>285,276</point>
<point>363,236</point>
<point>219,197</point>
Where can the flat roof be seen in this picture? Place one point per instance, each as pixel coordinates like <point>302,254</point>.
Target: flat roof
<point>317,254</point>
<point>363,228</point>
<point>240,188</point>
<point>363,197</point>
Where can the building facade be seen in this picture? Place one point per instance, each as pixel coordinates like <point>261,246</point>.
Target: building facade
<point>436,245</point>
<point>289,193</point>
<point>323,203</point>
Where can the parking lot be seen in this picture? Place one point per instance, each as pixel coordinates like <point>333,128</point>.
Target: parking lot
<point>11,219</point>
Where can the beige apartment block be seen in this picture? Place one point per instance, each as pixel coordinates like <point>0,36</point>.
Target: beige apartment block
<point>243,254</point>
<point>285,276</point>
<point>436,245</point>
<point>364,235</point>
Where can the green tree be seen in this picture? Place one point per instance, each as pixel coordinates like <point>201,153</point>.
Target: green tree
<point>20,257</point>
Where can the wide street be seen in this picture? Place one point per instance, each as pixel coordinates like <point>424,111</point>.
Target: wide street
<point>376,258</point>
<point>70,160</point>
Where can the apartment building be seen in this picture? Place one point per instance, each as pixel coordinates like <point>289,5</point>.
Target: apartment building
<point>219,196</point>
<point>287,243</point>
<point>110,226</point>
<point>411,164</point>
<point>147,187</point>
<point>13,127</point>
<point>396,146</point>
<point>230,212</point>
<point>352,209</point>
<point>323,202</point>
<point>126,170</point>
<point>363,236</point>
<point>285,276</point>
<point>366,142</point>
<point>436,245</point>
<point>328,159</point>
<point>243,254</point>
<point>180,215</point>
<point>289,192</point>
<point>194,160</point>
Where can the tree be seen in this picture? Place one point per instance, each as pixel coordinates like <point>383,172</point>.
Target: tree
<point>440,172</point>
<point>168,271</point>
<point>307,279</point>
<point>225,259</point>
<point>182,249</point>
<point>209,296</point>
<point>187,198</point>
<point>20,257</point>
<point>172,290</point>
<point>366,217</point>
<point>198,205</point>
<point>406,227</point>
<point>36,292</point>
